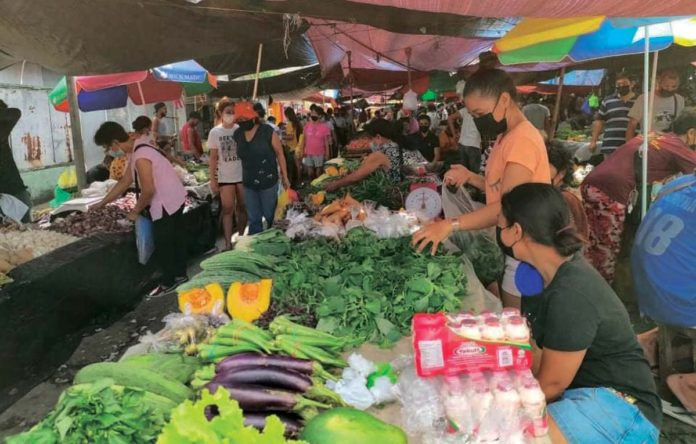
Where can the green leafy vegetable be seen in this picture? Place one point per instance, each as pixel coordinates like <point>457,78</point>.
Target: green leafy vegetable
<point>190,425</point>
<point>364,288</point>
<point>97,413</point>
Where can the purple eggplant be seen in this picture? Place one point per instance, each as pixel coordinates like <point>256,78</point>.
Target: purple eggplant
<point>260,399</point>
<point>258,420</point>
<point>275,377</point>
<point>303,366</point>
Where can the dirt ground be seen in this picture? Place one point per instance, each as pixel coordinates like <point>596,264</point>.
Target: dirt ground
<point>108,343</point>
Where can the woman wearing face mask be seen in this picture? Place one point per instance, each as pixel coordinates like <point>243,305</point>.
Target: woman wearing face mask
<point>611,187</point>
<point>597,382</point>
<point>226,169</point>
<point>317,138</point>
<point>261,152</point>
<point>160,197</point>
<point>518,156</point>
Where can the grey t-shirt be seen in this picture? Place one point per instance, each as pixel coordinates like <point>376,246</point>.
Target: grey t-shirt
<point>665,110</point>
<point>537,114</point>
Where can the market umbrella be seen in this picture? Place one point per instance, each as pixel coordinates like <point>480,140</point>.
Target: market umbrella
<point>541,40</point>
<point>159,84</point>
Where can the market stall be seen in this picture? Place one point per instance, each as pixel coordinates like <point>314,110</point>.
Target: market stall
<point>294,361</point>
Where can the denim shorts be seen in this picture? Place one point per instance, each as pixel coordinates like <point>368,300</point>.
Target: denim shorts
<point>313,161</point>
<point>598,415</point>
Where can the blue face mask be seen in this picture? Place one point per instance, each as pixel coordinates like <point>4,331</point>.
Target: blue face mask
<point>116,153</point>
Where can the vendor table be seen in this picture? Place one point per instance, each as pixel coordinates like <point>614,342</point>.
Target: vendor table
<point>55,297</point>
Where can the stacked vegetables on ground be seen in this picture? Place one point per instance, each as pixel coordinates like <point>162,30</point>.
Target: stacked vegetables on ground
<point>110,219</point>
<point>124,402</point>
<point>362,287</point>
<point>376,188</point>
<point>277,372</point>
<point>341,211</point>
<point>18,247</point>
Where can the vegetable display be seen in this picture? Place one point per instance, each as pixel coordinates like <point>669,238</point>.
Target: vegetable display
<point>363,287</point>
<point>248,301</point>
<point>190,424</point>
<point>209,299</point>
<point>110,219</point>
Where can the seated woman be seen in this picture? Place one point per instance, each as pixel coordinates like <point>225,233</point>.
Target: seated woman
<point>593,372</point>
<point>386,156</point>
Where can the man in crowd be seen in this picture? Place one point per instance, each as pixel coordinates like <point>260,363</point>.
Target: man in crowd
<point>424,140</point>
<point>613,116</point>
<point>160,130</point>
<point>538,114</point>
<point>190,137</point>
<point>469,139</point>
<point>666,106</point>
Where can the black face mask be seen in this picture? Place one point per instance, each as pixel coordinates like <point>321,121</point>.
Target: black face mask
<point>623,90</point>
<point>424,129</point>
<point>488,127</point>
<point>667,93</point>
<point>505,249</point>
<point>314,118</point>
<point>247,125</point>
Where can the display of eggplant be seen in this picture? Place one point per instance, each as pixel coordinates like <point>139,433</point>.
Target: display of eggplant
<point>292,422</point>
<point>260,399</point>
<point>303,366</point>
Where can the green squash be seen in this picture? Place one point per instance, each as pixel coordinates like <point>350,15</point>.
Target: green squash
<point>350,426</point>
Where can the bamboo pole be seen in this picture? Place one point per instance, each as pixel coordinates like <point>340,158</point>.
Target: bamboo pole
<point>557,108</point>
<point>258,70</point>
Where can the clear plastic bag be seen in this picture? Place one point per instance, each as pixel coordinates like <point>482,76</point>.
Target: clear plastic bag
<point>422,410</point>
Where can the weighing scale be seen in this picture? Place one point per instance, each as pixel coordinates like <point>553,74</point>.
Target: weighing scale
<point>424,198</point>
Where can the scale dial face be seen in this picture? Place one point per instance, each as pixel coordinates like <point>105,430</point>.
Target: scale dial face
<point>425,201</point>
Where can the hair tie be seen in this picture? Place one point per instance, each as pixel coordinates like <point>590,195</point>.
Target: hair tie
<point>566,228</point>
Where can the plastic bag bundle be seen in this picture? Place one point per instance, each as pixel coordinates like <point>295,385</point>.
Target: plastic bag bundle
<point>422,408</point>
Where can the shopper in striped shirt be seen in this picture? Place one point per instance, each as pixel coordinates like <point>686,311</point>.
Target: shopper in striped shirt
<point>613,116</point>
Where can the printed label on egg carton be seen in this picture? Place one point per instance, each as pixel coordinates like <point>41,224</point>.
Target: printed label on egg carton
<point>444,346</point>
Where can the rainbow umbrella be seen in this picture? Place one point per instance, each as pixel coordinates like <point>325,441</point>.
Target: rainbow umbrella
<point>109,91</point>
<point>542,40</point>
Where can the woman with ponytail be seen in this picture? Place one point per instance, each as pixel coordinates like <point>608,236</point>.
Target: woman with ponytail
<point>597,383</point>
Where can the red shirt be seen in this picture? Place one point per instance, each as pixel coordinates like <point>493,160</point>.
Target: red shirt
<point>616,176</point>
<point>185,145</point>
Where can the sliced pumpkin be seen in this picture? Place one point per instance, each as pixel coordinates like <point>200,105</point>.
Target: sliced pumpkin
<point>249,301</point>
<point>332,171</point>
<point>209,299</point>
<point>318,198</point>
<point>343,171</point>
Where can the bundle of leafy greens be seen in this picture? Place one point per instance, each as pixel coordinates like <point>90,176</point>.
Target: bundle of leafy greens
<point>97,413</point>
<point>376,187</point>
<point>365,287</point>
<point>189,424</point>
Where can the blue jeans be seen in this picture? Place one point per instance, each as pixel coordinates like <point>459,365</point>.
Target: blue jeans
<point>260,204</point>
<point>597,415</point>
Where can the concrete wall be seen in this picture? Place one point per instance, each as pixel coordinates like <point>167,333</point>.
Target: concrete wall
<point>41,142</point>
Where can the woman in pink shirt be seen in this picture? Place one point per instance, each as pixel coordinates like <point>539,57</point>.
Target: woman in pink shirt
<point>161,198</point>
<point>316,145</point>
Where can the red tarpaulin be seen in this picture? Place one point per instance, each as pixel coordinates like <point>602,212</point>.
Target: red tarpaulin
<point>546,8</point>
<point>374,48</point>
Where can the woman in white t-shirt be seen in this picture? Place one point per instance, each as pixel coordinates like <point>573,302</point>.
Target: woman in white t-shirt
<point>226,169</point>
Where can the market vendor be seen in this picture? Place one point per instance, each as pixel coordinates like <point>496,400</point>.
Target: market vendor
<point>161,198</point>
<point>518,156</point>
<point>611,187</point>
<point>10,180</point>
<point>597,382</point>
<point>386,156</point>
<point>100,172</point>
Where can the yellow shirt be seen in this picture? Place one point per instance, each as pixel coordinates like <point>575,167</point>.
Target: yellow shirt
<point>118,167</point>
<point>290,137</point>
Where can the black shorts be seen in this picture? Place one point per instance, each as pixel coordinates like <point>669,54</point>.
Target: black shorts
<point>224,184</point>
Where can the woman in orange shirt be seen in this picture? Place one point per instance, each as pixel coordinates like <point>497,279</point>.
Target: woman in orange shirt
<point>518,156</point>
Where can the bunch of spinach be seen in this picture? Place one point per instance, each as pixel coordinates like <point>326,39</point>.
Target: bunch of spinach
<point>365,287</point>
<point>96,413</point>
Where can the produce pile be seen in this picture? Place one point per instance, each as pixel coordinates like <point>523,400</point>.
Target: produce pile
<point>18,247</point>
<point>120,402</point>
<point>110,219</point>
